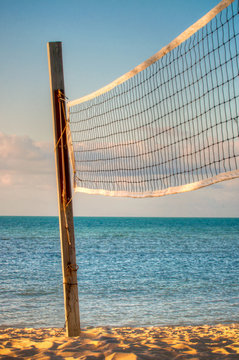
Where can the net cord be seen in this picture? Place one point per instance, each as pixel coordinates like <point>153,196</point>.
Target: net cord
<point>172,45</point>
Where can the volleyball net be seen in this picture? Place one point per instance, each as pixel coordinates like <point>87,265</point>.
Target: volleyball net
<point>170,125</point>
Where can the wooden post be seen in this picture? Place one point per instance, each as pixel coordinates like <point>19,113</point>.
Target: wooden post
<point>69,267</point>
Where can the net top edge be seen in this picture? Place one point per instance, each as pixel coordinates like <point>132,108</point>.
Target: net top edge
<point>166,49</point>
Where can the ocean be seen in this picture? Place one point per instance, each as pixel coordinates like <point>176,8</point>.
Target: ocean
<point>132,271</point>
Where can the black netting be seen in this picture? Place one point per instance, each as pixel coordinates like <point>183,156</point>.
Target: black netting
<point>174,123</point>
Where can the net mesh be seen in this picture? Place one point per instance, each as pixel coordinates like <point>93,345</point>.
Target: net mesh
<point>170,128</point>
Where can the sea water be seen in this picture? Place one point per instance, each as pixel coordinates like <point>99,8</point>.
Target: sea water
<point>132,271</point>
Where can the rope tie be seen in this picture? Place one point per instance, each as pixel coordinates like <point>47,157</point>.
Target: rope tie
<point>73,267</point>
<point>63,131</point>
<point>61,99</point>
<point>62,96</point>
<point>68,202</point>
<point>65,216</point>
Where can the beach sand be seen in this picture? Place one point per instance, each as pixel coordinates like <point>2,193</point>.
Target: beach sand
<point>124,343</point>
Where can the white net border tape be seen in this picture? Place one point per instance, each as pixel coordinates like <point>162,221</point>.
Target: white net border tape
<point>169,191</point>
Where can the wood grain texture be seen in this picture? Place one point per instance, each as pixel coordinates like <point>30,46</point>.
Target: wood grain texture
<point>66,224</point>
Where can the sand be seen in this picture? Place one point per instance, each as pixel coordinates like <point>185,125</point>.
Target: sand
<point>125,343</point>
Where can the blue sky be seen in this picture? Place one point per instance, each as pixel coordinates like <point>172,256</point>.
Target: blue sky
<point>101,40</point>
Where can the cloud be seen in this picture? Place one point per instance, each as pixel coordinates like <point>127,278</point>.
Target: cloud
<point>28,187</point>
<point>24,162</point>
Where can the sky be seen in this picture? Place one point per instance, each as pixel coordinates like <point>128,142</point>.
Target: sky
<point>102,40</point>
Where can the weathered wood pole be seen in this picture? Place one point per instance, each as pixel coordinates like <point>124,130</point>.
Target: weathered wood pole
<point>69,267</point>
